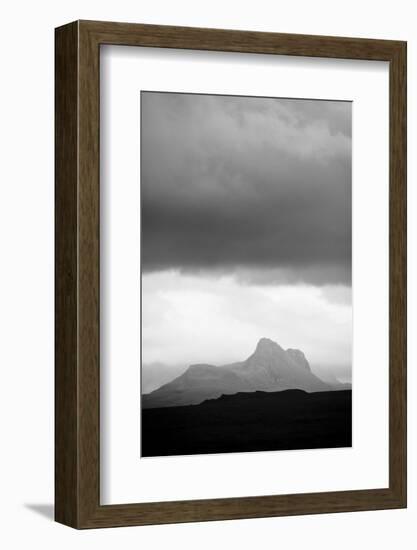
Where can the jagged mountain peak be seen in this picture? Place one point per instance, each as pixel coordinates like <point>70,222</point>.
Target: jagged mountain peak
<point>298,357</point>
<point>269,368</point>
<point>266,345</point>
<point>268,350</point>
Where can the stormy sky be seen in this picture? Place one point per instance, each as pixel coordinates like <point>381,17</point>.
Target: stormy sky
<point>244,201</point>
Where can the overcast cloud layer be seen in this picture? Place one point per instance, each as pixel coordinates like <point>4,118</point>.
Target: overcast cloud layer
<point>259,188</point>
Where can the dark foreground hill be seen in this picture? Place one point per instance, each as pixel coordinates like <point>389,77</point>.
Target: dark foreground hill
<point>255,421</point>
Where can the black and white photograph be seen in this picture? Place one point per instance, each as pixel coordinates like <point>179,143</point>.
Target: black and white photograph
<point>208,275</point>
<point>246,274</point>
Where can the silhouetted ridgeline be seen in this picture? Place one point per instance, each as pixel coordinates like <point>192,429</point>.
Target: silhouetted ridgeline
<point>250,421</point>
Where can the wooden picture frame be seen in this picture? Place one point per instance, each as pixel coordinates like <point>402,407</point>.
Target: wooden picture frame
<point>77,382</point>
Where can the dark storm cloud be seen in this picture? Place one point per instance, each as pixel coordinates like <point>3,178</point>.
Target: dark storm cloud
<point>261,187</point>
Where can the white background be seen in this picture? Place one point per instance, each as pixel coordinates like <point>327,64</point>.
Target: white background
<point>126,478</point>
<point>26,290</point>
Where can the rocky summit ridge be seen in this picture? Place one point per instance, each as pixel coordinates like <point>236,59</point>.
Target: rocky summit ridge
<point>270,368</point>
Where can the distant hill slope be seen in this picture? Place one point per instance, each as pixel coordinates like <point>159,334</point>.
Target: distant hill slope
<point>270,368</point>
<point>329,378</point>
<point>155,374</point>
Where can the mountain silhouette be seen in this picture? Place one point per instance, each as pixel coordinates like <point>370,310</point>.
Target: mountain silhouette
<point>250,421</point>
<point>269,369</point>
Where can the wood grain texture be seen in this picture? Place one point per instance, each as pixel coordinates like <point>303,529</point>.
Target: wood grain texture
<point>398,273</point>
<point>78,285</point>
<point>66,237</point>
